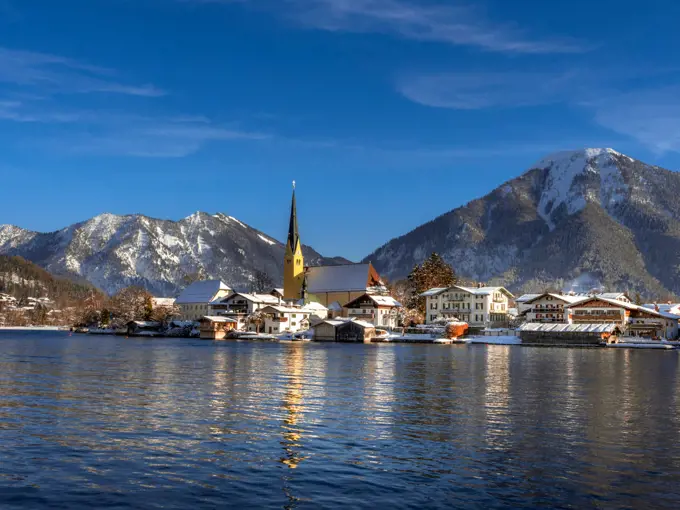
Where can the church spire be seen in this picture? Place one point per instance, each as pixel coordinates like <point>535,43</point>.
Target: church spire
<point>293,233</point>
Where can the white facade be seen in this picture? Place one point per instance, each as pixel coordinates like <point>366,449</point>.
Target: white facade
<point>283,319</point>
<point>196,300</point>
<point>634,320</point>
<point>548,308</point>
<point>380,311</point>
<point>479,307</point>
<point>240,305</point>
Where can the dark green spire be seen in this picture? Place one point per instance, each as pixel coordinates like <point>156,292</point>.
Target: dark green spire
<point>293,233</point>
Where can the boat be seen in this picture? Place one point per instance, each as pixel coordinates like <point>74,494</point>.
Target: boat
<point>632,342</point>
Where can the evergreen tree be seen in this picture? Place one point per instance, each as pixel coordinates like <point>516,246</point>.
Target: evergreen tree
<point>433,272</point>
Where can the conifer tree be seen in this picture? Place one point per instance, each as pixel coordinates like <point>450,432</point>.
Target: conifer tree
<point>433,272</point>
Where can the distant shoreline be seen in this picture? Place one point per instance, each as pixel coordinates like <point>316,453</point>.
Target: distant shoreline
<point>34,328</point>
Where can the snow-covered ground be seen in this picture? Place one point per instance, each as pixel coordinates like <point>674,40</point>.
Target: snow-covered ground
<point>493,340</point>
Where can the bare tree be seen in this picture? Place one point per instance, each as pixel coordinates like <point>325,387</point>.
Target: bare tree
<point>261,282</point>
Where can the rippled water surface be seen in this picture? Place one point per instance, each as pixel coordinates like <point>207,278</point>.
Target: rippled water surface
<point>94,422</point>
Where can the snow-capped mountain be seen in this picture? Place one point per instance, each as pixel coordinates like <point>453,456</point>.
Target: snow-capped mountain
<point>113,252</point>
<point>591,217</point>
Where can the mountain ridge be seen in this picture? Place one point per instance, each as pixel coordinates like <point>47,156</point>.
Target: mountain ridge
<point>114,251</point>
<point>597,199</point>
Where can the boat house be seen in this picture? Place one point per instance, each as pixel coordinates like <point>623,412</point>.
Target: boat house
<point>344,330</point>
<point>216,328</point>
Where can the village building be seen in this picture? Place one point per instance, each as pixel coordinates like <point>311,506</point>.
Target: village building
<point>632,319</point>
<point>324,284</point>
<point>240,305</point>
<point>344,330</point>
<point>479,307</point>
<point>673,308</point>
<point>548,307</point>
<point>157,302</point>
<point>381,311</point>
<point>285,319</point>
<point>216,328</point>
<point>525,301</point>
<point>277,292</point>
<point>197,299</point>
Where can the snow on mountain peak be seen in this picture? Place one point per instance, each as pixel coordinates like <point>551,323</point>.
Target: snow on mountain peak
<point>563,187</point>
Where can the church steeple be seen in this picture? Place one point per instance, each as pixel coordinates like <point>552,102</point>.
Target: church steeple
<point>293,264</point>
<point>293,234</point>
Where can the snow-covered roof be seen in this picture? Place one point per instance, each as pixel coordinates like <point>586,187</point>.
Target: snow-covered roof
<point>201,292</point>
<point>277,290</point>
<point>625,305</point>
<point>254,298</point>
<point>314,306</point>
<point>434,292</point>
<point>568,328</point>
<point>527,297</point>
<point>163,301</point>
<point>663,307</point>
<point>479,291</point>
<point>335,306</point>
<point>284,309</point>
<point>563,297</point>
<point>341,278</point>
<point>344,320</point>
<point>378,300</point>
<point>145,324</point>
<point>220,318</point>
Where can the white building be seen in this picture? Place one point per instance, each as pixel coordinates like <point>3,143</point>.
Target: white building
<point>381,311</point>
<point>240,305</point>
<point>673,308</point>
<point>524,302</point>
<point>282,319</point>
<point>479,307</point>
<point>634,320</point>
<point>548,307</point>
<point>197,299</point>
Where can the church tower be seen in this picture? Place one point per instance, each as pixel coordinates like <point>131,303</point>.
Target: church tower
<point>294,264</point>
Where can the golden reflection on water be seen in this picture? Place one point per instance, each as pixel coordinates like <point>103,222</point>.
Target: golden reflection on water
<point>293,407</point>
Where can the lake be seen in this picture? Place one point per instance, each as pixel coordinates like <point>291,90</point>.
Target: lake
<point>94,422</point>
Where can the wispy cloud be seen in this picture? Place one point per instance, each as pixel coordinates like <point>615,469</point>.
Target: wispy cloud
<point>652,116</point>
<point>615,98</point>
<point>474,91</point>
<point>450,22</point>
<point>57,74</point>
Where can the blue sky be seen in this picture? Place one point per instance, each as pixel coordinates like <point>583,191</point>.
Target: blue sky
<point>386,112</point>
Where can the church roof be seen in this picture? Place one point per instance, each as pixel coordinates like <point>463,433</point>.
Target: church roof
<point>293,233</point>
<point>201,292</point>
<point>340,278</point>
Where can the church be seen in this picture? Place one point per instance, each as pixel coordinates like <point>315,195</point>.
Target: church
<point>327,285</point>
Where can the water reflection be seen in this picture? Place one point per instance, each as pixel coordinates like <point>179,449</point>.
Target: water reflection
<point>193,424</point>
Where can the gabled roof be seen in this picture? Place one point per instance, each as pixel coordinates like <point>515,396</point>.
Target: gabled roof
<point>625,305</point>
<point>340,321</point>
<point>479,291</point>
<point>284,309</point>
<point>563,297</point>
<point>377,300</point>
<point>663,307</point>
<point>219,318</point>
<point>434,292</point>
<point>253,298</point>
<point>527,297</point>
<point>341,278</point>
<point>201,292</point>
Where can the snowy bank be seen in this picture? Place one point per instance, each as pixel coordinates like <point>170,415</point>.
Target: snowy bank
<point>493,340</point>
